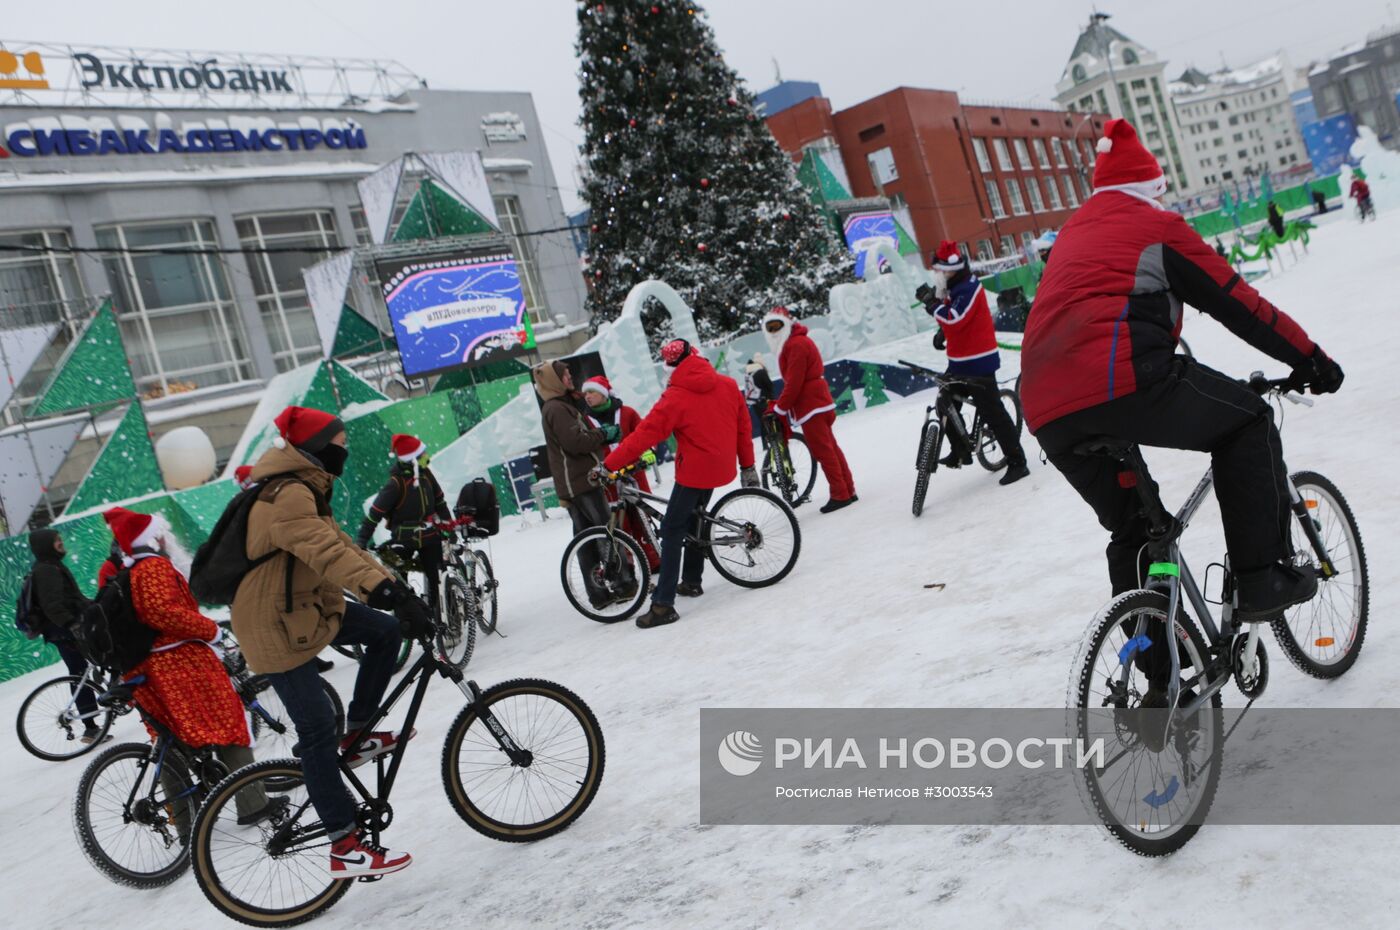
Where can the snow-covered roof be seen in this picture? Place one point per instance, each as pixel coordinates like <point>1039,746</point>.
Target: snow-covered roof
<point>1195,81</point>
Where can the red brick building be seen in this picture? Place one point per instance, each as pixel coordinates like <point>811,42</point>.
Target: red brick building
<point>989,177</point>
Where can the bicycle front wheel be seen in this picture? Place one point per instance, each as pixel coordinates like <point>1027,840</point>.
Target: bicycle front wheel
<point>989,450</point>
<point>273,873</point>
<point>927,460</point>
<point>605,575</point>
<point>790,471</point>
<point>752,538</point>
<point>132,816</point>
<point>52,726</point>
<point>457,641</point>
<point>1162,768</point>
<point>515,802</point>
<point>1323,637</point>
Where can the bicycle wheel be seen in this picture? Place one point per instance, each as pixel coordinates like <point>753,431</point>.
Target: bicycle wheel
<point>790,471</point>
<point>485,589</point>
<point>272,874</point>
<point>133,817</point>
<point>929,445</point>
<point>605,575</point>
<point>1157,787</point>
<point>274,734</point>
<point>1323,637</point>
<point>752,538</point>
<point>989,450</point>
<point>458,640</point>
<point>51,726</point>
<point>519,803</point>
<point>355,652</point>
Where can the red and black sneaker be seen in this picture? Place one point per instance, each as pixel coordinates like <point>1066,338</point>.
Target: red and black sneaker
<point>374,744</point>
<point>354,857</point>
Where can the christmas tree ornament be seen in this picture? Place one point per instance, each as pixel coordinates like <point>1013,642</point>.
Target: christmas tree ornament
<point>704,184</point>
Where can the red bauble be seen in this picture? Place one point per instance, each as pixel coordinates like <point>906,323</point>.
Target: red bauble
<point>704,184</point>
<point>600,8</point>
<point>701,247</point>
<point>632,123</point>
<point>655,10</point>
<point>594,227</point>
<point>597,274</point>
<point>732,102</point>
<point>787,216</point>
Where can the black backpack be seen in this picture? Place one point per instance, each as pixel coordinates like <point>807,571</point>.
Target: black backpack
<point>222,561</point>
<point>28,619</point>
<point>108,633</point>
<point>477,499</point>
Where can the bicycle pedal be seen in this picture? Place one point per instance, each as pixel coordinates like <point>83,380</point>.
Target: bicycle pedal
<point>369,878</point>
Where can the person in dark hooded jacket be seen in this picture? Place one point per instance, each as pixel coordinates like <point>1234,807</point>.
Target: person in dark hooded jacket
<point>56,605</point>
<point>413,507</point>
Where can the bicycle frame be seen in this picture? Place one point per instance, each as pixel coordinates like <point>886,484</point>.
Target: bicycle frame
<point>70,713</point>
<point>631,495</point>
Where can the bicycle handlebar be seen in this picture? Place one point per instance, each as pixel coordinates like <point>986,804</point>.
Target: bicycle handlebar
<point>1287,388</point>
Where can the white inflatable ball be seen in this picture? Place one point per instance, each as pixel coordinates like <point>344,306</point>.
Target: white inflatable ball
<point>186,457</point>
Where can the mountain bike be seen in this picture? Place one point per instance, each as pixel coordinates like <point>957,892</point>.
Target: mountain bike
<point>1158,711</point>
<point>980,438</point>
<point>521,762</point>
<point>787,467</point>
<point>749,535</point>
<point>50,724</point>
<point>469,567</point>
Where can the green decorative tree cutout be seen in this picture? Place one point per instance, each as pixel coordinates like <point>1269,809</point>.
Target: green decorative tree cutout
<point>93,371</point>
<point>355,335</point>
<point>873,385</point>
<point>434,212</point>
<point>352,388</point>
<point>125,468</point>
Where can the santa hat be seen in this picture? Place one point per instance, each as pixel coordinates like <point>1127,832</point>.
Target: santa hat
<point>677,351</point>
<point>1122,159</point>
<point>407,448</point>
<point>778,313</point>
<point>948,257</point>
<point>307,429</point>
<point>132,530</point>
<point>598,384</point>
<point>242,473</point>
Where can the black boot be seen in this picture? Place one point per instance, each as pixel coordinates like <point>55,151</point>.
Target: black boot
<point>956,458</point>
<point>1265,593</point>
<point>658,615</point>
<point>834,504</point>
<point>1015,471</point>
<point>689,589</point>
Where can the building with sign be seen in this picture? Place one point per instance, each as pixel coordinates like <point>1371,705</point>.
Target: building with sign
<point>989,176</point>
<point>194,187</point>
<point>1362,81</point>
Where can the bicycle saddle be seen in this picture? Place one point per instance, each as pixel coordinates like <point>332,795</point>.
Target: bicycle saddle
<point>1105,445</point>
<point>119,693</point>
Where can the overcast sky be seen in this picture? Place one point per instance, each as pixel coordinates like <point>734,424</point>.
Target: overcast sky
<point>854,49</point>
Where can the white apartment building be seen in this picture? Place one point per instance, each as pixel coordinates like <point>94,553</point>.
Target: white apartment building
<point>1238,123</point>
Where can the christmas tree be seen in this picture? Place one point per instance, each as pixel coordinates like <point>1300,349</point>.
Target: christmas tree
<point>684,181</point>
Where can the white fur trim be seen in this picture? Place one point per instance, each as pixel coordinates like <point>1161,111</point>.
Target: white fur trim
<point>278,442</point>
<point>1146,191</point>
<point>413,456</point>
<point>592,384</point>
<point>809,414</point>
<point>1104,145</point>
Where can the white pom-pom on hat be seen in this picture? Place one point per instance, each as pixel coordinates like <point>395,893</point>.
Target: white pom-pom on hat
<point>278,442</point>
<point>1104,145</point>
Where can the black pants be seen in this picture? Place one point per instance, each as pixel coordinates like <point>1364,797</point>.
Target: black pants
<point>587,510</point>
<point>680,561</point>
<point>1194,408</point>
<point>982,391</point>
<point>77,665</point>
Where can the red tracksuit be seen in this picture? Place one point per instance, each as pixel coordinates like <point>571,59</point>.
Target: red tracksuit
<point>806,402</point>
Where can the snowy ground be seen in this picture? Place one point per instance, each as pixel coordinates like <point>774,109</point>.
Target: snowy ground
<point>854,626</point>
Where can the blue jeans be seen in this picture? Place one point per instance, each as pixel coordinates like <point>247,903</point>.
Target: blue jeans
<point>311,711</point>
<point>678,558</point>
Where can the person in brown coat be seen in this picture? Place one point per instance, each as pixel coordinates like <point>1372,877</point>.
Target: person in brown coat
<point>293,604</point>
<point>575,446</point>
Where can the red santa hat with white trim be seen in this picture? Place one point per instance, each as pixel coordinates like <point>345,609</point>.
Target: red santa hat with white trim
<point>1122,158</point>
<point>407,448</point>
<point>778,313</point>
<point>598,384</point>
<point>306,428</point>
<point>133,530</point>
<point>948,258</point>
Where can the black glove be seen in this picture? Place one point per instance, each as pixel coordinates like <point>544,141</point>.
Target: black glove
<point>940,341</point>
<point>1319,373</point>
<point>413,614</point>
<point>926,295</point>
<point>383,596</point>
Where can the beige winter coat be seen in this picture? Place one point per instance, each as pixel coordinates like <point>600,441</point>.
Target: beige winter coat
<point>317,561</point>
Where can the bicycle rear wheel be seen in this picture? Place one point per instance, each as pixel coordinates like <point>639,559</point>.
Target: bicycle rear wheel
<point>271,874</point>
<point>989,450</point>
<point>605,575</point>
<point>458,640</point>
<point>50,724</point>
<point>791,471</point>
<point>1157,786</point>
<point>132,816</point>
<point>929,445</point>
<point>274,734</point>
<point>752,538</point>
<point>520,803</point>
<point>1324,636</point>
<point>485,588</point>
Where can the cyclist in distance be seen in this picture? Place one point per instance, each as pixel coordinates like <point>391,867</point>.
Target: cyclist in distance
<point>412,505</point>
<point>1099,360</point>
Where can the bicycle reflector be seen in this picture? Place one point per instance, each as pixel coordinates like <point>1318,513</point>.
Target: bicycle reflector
<point>1324,641</point>
<point>1310,504</point>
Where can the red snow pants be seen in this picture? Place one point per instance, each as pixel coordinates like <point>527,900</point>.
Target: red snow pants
<point>817,432</point>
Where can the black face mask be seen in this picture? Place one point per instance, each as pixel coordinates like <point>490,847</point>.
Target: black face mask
<point>333,458</point>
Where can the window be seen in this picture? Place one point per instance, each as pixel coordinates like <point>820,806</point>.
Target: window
<point>983,160</point>
<point>1008,246</point>
<point>513,224</point>
<point>984,250</point>
<point>1071,197</point>
<point>1033,192</point>
<point>1023,157</point>
<point>1027,241</point>
<point>361,226</point>
<point>1053,193</point>
<point>175,310</point>
<point>1359,86</point>
<point>1013,192</point>
<point>1003,155</point>
<point>1058,148</point>
<point>1331,99</point>
<point>1079,74</point>
<point>1129,57</point>
<point>994,198</point>
<point>277,281</point>
<point>1234,121</point>
<point>882,169</point>
<point>1041,159</point>
<point>37,286</point>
